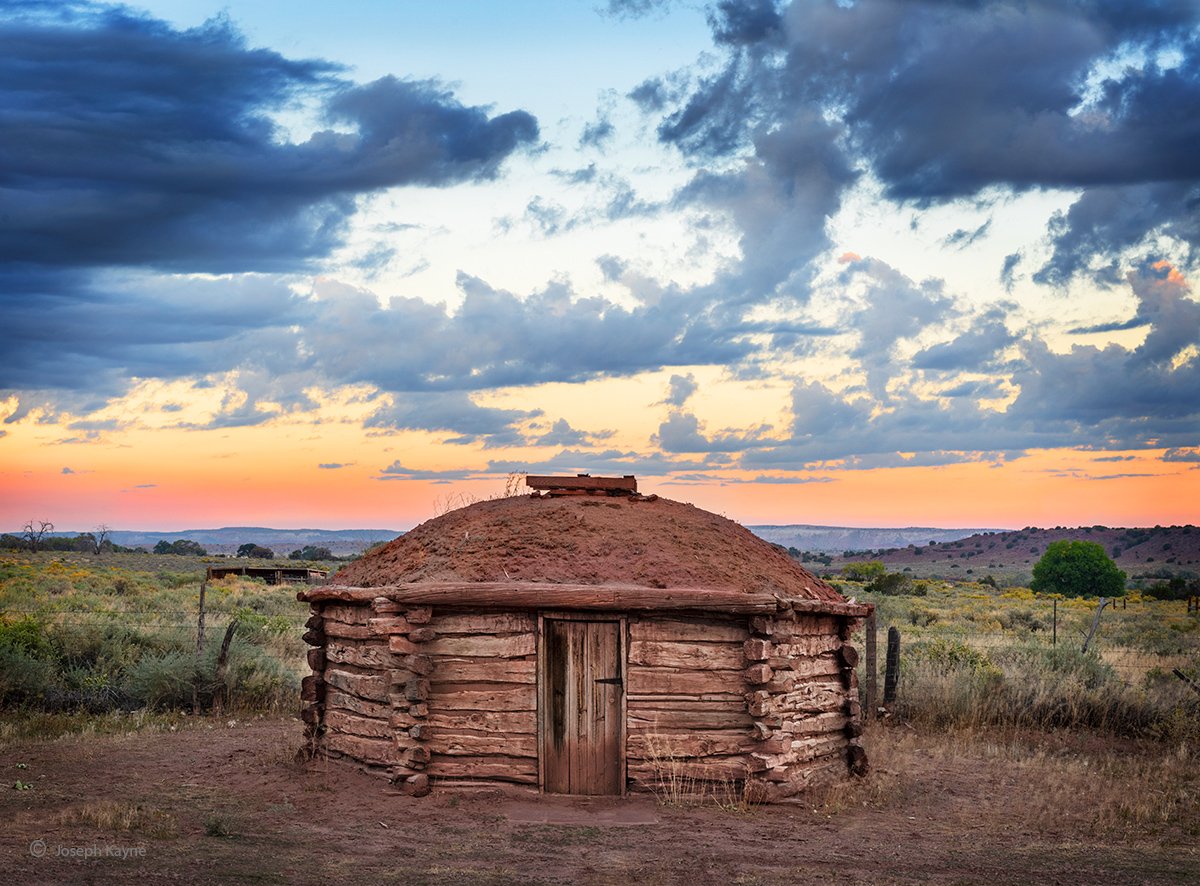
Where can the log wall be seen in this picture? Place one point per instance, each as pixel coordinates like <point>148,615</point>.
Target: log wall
<point>771,700</point>
<point>483,697</point>
<point>804,700</point>
<point>368,696</point>
<point>686,698</point>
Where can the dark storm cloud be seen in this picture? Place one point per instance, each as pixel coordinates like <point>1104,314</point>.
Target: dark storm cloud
<point>86,333</point>
<point>941,100</point>
<point>127,142</point>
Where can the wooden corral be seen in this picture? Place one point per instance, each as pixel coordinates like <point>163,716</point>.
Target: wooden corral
<point>272,575</point>
<point>586,688</point>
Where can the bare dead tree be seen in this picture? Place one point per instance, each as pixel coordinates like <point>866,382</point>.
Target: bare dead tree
<point>34,531</point>
<point>100,534</point>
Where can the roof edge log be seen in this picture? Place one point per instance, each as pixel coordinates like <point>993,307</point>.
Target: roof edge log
<point>607,598</point>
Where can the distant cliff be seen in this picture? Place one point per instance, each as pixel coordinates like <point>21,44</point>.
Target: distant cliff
<point>836,539</point>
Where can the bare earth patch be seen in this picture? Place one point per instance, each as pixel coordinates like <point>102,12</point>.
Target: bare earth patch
<point>223,801</point>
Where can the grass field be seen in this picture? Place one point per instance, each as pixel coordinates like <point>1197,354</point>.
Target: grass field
<point>973,655</point>
<point>1009,754</point>
<point>118,632</point>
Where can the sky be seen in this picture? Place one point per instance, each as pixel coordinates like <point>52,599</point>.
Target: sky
<point>837,262</point>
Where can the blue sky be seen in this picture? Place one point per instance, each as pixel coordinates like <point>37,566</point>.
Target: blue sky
<point>897,254</point>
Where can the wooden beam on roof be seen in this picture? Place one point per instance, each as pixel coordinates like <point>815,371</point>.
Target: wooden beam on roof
<point>627,483</point>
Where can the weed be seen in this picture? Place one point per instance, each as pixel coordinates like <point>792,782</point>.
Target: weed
<point>124,816</point>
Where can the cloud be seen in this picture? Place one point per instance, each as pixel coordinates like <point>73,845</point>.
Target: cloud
<point>396,471</point>
<point>894,309</point>
<point>1008,271</point>
<point>496,339</point>
<point>142,145</point>
<point>970,351</point>
<point>597,134</point>
<point>562,434</point>
<point>333,466</point>
<point>962,238</point>
<point>610,462</point>
<point>67,471</point>
<point>453,412</point>
<point>942,101</point>
<point>679,389</point>
<point>1090,398</point>
<point>682,432</point>
<point>623,9</point>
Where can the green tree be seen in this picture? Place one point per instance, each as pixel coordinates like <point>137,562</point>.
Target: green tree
<point>863,571</point>
<point>890,584</point>
<point>1077,569</point>
<point>183,546</point>
<point>311,552</point>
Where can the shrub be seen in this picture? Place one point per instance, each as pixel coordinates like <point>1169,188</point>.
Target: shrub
<point>863,571</point>
<point>890,584</point>
<point>1077,569</point>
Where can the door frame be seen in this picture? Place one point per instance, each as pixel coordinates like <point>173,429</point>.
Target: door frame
<point>543,701</point>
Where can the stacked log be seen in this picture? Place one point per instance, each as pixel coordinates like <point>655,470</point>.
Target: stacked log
<point>483,698</point>
<point>803,700</point>
<point>687,718</point>
<point>312,687</point>
<point>372,688</point>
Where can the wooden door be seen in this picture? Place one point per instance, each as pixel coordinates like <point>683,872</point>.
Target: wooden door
<point>582,712</point>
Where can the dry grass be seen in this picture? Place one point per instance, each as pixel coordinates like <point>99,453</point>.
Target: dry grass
<point>675,785</point>
<point>123,817</point>
<point>1063,782</point>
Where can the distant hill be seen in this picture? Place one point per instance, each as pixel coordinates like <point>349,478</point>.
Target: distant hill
<point>1157,552</point>
<point>836,539</point>
<point>282,541</point>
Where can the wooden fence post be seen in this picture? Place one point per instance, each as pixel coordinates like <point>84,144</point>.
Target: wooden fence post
<point>1095,623</point>
<point>870,665</point>
<point>219,687</point>
<point>199,650</point>
<point>892,676</point>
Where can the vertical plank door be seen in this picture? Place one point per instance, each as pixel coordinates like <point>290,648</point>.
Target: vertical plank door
<point>582,729</point>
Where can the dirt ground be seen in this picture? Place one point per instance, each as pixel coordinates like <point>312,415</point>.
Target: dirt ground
<point>224,802</point>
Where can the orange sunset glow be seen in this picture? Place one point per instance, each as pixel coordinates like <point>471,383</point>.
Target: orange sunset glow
<point>312,274</point>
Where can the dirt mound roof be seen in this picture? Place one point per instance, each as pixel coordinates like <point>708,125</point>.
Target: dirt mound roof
<point>587,540</point>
